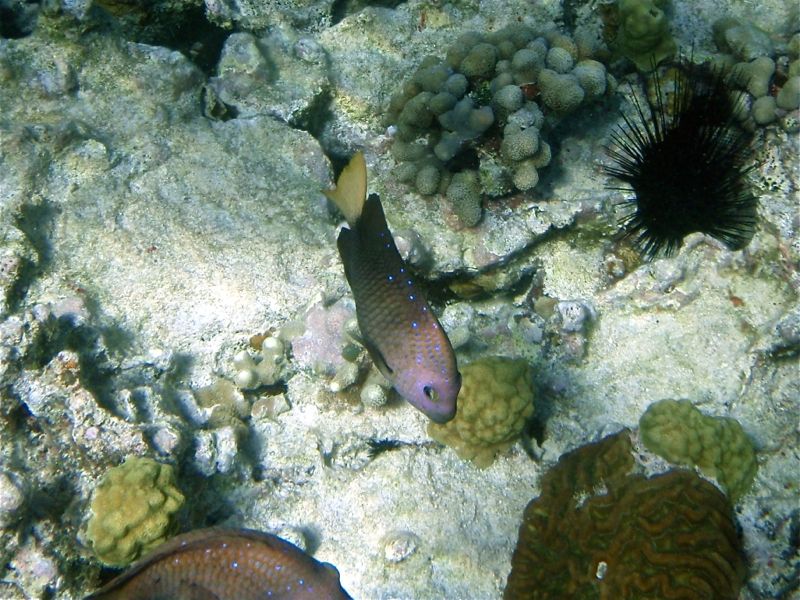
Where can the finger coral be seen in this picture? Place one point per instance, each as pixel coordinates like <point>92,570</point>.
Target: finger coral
<point>495,401</point>
<point>470,125</point>
<point>678,432</point>
<point>598,532</point>
<point>132,510</point>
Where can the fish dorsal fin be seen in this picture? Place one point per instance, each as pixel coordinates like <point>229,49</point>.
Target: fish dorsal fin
<point>351,189</point>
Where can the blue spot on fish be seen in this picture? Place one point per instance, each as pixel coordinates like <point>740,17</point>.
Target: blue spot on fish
<point>390,278</point>
<point>234,565</point>
<point>412,297</point>
<point>414,324</point>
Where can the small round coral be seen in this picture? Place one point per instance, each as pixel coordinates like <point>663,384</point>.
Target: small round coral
<point>561,93</point>
<point>132,510</point>
<point>464,193</point>
<point>495,401</point>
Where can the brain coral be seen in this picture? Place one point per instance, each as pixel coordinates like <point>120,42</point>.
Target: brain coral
<point>677,431</point>
<point>131,510</point>
<point>598,532</point>
<point>495,401</point>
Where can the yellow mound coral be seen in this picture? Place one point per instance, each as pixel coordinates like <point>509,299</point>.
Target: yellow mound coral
<point>598,532</point>
<point>131,510</point>
<point>678,432</point>
<point>496,399</point>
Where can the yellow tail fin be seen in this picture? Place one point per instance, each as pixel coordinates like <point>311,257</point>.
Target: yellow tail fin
<point>351,189</point>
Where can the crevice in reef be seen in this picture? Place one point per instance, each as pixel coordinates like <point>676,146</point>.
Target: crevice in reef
<point>17,19</point>
<point>186,30</point>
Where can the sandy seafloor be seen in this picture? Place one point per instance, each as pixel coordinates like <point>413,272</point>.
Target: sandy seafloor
<point>158,210</point>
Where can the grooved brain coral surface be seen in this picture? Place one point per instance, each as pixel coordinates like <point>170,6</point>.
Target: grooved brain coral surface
<point>599,532</point>
<point>131,510</point>
<point>495,401</point>
<point>678,432</point>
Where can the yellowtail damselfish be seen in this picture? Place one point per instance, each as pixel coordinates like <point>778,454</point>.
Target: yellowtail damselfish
<point>399,330</point>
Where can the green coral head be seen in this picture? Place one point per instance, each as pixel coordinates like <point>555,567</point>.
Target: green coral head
<point>718,446</point>
<point>494,404</point>
<point>132,510</point>
<point>643,35</point>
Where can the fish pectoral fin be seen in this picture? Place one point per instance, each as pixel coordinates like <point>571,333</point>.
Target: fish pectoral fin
<point>378,358</point>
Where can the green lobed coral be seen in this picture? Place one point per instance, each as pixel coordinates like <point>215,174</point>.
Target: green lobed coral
<point>678,432</point>
<point>132,510</point>
<point>477,116</point>
<point>597,531</point>
<point>643,35</point>
<point>495,401</point>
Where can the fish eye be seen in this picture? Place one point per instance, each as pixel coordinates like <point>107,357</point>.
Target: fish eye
<point>430,393</point>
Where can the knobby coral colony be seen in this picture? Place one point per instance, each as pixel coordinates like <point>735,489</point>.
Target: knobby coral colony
<point>686,165</point>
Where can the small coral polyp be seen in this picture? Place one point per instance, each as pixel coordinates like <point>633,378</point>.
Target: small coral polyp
<point>464,126</point>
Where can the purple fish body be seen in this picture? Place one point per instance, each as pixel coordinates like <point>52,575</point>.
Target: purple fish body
<point>226,564</point>
<point>401,333</point>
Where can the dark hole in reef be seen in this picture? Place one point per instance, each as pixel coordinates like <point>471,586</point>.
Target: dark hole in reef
<point>341,8</point>
<point>17,21</point>
<point>216,109</point>
<point>186,30</point>
<point>316,116</point>
<point>464,160</point>
<point>191,33</point>
<point>36,222</point>
<point>378,447</point>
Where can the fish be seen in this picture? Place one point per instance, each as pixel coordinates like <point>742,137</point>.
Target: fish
<point>398,328</point>
<point>225,564</point>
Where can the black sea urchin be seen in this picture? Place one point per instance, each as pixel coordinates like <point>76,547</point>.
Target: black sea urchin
<point>686,165</point>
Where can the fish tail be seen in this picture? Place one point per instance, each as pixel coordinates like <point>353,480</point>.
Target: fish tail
<point>351,189</point>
